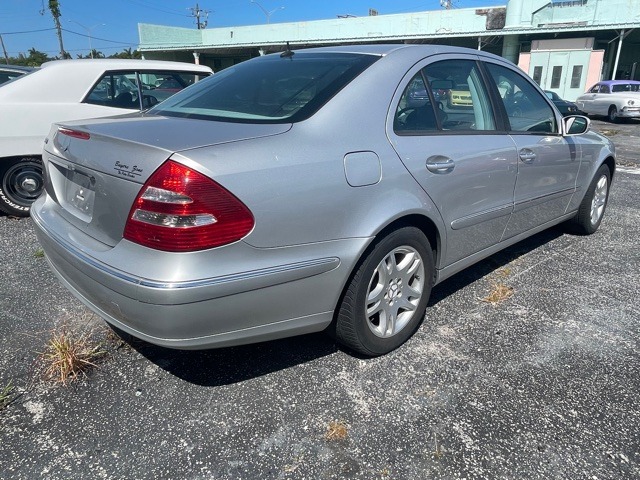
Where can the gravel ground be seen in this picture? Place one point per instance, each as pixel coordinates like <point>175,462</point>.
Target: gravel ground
<point>541,386</point>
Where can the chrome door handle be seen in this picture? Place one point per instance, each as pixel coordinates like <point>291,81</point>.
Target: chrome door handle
<point>527,156</point>
<point>440,164</point>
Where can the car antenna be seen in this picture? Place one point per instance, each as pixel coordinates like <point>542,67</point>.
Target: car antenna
<point>288,53</point>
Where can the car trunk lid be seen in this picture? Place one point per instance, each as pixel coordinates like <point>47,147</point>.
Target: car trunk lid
<point>95,169</point>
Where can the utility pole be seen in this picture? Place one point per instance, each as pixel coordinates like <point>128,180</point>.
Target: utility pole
<point>197,13</point>
<point>4,50</point>
<point>54,7</point>
<point>264,10</point>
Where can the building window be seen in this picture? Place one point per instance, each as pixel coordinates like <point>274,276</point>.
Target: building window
<point>568,3</point>
<point>576,76</point>
<point>555,76</point>
<point>537,74</point>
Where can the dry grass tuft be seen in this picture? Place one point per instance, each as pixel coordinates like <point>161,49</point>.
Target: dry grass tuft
<point>499,293</point>
<point>68,355</point>
<point>503,272</point>
<point>438,452</point>
<point>336,431</point>
<point>609,133</point>
<point>5,395</point>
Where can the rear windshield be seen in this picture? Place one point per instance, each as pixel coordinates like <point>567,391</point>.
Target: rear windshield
<point>270,89</point>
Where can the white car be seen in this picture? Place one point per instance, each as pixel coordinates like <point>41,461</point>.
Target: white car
<point>615,99</point>
<point>65,90</point>
<point>11,72</point>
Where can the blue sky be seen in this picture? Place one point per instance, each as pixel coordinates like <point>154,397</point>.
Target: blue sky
<point>112,24</point>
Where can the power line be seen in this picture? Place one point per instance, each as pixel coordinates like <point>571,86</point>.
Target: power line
<point>27,31</point>
<point>97,38</point>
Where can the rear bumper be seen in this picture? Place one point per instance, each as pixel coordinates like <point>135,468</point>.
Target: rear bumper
<point>294,290</point>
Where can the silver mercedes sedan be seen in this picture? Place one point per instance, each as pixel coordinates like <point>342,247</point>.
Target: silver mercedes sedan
<point>316,189</point>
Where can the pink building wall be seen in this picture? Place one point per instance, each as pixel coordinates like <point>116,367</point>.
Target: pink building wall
<point>524,61</point>
<point>595,68</point>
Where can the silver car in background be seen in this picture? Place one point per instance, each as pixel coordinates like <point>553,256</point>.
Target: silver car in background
<point>311,190</point>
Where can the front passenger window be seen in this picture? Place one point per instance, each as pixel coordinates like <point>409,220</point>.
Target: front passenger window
<point>526,108</point>
<point>116,89</point>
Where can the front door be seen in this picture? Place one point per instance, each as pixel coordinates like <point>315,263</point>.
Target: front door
<point>548,162</point>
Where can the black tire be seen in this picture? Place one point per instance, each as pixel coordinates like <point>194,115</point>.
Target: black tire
<point>593,205</point>
<point>21,182</point>
<point>613,114</point>
<point>371,334</point>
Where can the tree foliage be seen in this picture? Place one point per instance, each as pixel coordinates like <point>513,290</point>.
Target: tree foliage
<point>35,58</point>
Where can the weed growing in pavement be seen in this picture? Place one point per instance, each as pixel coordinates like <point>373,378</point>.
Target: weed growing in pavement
<point>438,452</point>
<point>499,294</point>
<point>609,133</point>
<point>503,272</point>
<point>297,461</point>
<point>336,431</point>
<point>5,395</point>
<point>69,354</point>
<point>39,253</point>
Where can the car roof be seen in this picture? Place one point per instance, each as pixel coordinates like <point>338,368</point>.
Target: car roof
<point>387,49</point>
<point>406,52</point>
<point>115,63</point>
<point>619,82</point>
<point>64,81</point>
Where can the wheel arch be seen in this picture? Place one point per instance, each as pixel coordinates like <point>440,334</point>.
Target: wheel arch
<point>611,164</point>
<point>409,219</point>
<point>420,221</point>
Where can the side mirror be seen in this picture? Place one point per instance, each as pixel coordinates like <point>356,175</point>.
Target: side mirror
<point>575,125</point>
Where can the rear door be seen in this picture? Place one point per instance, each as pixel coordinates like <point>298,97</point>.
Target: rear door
<point>459,154</point>
<point>548,162</point>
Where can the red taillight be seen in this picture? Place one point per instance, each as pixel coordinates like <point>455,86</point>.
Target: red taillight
<point>74,133</point>
<point>181,210</point>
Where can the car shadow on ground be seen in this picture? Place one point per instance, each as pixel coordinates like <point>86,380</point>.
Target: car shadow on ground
<point>493,263</point>
<point>231,365</point>
<point>225,366</point>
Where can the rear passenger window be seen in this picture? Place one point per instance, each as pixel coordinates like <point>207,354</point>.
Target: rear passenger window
<point>458,88</point>
<point>415,112</point>
<point>120,89</point>
<point>447,95</point>
<point>526,108</point>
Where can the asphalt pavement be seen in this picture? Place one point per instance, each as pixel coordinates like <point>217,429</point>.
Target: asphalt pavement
<point>543,385</point>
